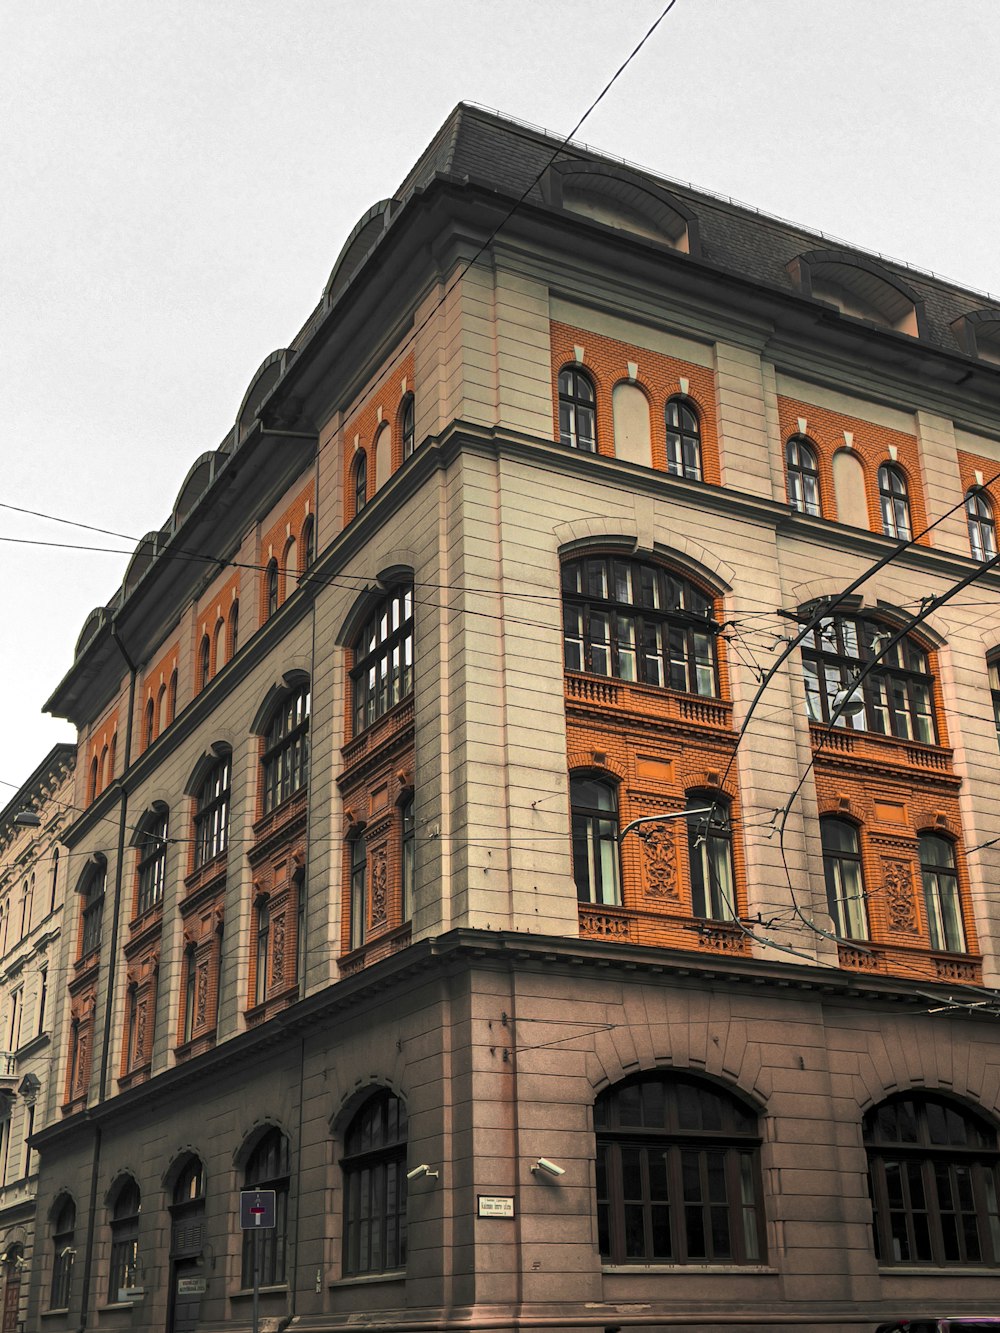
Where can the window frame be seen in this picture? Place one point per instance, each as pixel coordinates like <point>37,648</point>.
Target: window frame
<point>359,476</point>
<point>271,588</point>
<point>577,396</point>
<point>151,870</point>
<point>685,457</point>
<point>802,481</point>
<point>854,638</point>
<point>935,876</point>
<point>123,1259</point>
<point>92,908</point>
<point>284,760</point>
<point>594,833</point>
<point>407,419</point>
<point>711,863</point>
<point>837,899</point>
<point>894,502</point>
<point>382,672</point>
<point>212,811</point>
<point>668,1147</point>
<point>671,621</point>
<point>981,523</point>
<point>373,1171</point>
<point>268,1166</point>
<point>63,1231</point>
<point>908,1214</point>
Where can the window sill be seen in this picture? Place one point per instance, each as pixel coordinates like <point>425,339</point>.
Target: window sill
<point>55,1312</point>
<point>246,1293</point>
<point>366,1279</point>
<point>952,1271</point>
<point>744,1270</point>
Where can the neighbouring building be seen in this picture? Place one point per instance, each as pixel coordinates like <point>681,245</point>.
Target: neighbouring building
<point>33,877</point>
<point>490,567</point>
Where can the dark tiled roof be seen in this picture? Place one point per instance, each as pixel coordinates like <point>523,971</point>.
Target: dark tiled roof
<point>480,145</point>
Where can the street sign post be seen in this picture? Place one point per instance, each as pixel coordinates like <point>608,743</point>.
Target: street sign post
<point>258,1210</point>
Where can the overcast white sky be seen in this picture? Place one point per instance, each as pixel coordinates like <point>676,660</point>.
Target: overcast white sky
<point>178,177</point>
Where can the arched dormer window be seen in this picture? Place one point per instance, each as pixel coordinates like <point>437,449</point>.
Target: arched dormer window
<point>271,583</point>
<point>934,1180</point>
<point>374,1167</point>
<point>802,476</point>
<point>982,524</point>
<point>382,674</point>
<point>360,482</point>
<point>577,410</point>
<point>683,439</point>
<point>894,502</point>
<point>638,622</point>
<point>860,287</point>
<point>406,426</point>
<point>285,759</point>
<point>678,1173</point>
<point>845,878</point>
<point>596,858</point>
<point>894,699</point>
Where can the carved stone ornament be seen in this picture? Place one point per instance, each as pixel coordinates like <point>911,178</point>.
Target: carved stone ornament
<point>278,948</point>
<point>897,888</point>
<point>380,871</point>
<point>661,863</point>
<point>201,998</point>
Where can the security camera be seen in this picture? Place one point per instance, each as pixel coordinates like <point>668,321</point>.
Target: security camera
<point>550,1168</point>
<point>422,1170</point>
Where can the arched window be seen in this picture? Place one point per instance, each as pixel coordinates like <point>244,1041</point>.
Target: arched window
<point>407,425</point>
<point>894,699</point>
<point>291,564</point>
<point>382,451</point>
<point>94,765</point>
<point>271,588</point>
<point>940,881</point>
<point>374,1167</point>
<point>360,482</point>
<point>152,845</point>
<point>710,858</point>
<point>802,476</point>
<point>161,711</point>
<point>359,889</point>
<point>103,778</point>
<point>638,622</point>
<point>894,502</point>
<point>148,726</point>
<point>845,879</point>
<point>27,905</point>
<point>124,1266</point>
<point>407,856</point>
<point>64,1252</point>
<point>211,820</point>
<point>577,410</point>
<point>204,662</point>
<point>285,761</point>
<point>308,543</point>
<point>234,628</point>
<point>54,880</point>
<point>189,1186</point>
<point>382,675</point>
<point>683,439</point>
<point>171,712</point>
<point>982,524</point>
<point>92,907</point>
<point>596,861</point>
<point>219,645</point>
<point>934,1180</point>
<point>678,1175</point>
<point>268,1168</point>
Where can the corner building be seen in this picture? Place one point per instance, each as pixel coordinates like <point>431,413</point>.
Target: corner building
<point>488,569</point>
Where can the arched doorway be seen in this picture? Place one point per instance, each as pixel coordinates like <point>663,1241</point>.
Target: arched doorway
<point>187,1244</point>
<point>13,1264</point>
